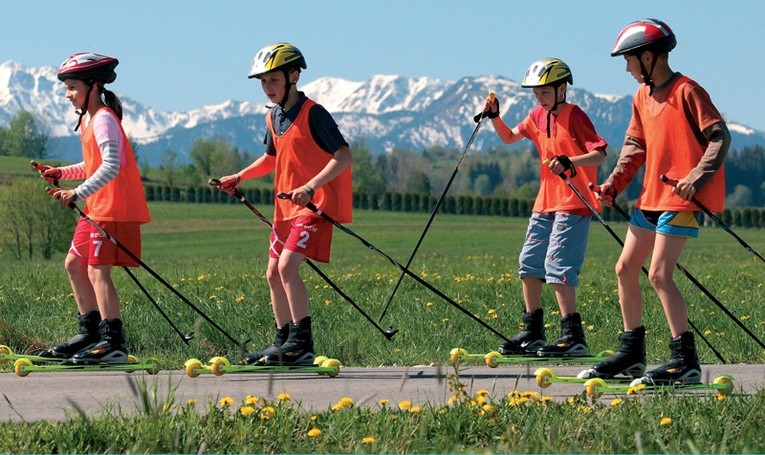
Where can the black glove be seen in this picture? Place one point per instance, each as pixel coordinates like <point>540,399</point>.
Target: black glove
<point>567,164</point>
<point>491,114</point>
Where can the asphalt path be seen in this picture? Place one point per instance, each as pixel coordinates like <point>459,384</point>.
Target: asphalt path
<point>54,396</point>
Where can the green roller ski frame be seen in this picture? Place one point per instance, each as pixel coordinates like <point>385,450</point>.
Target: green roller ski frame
<point>24,366</point>
<point>220,366</point>
<point>722,385</point>
<point>545,377</point>
<point>7,355</point>
<point>494,358</point>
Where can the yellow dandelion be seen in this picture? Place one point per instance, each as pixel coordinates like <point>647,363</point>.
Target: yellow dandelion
<point>404,405</point>
<point>415,410</point>
<point>616,402</point>
<point>394,417</point>
<point>314,433</point>
<point>313,418</point>
<point>368,440</point>
<point>226,402</point>
<point>239,299</point>
<point>344,402</point>
<point>251,400</point>
<point>284,397</point>
<point>429,304</point>
<point>191,402</point>
<point>665,421</point>
<point>453,399</point>
<point>267,412</point>
<point>492,311</point>
<point>166,406</point>
<point>201,277</point>
<point>482,393</point>
<point>247,410</point>
<point>383,402</point>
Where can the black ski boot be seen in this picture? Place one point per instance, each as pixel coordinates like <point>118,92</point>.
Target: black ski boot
<point>531,337</point>
<point>629,360</point>
<point>259,357</point>
<point>87,337</point>
<point>111,349</point>
<point>681,368</point>
<point>298,349</point>
<point>571,342</point>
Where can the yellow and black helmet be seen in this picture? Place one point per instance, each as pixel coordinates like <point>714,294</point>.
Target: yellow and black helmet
<point>276,56</point>
<point>549,71</point>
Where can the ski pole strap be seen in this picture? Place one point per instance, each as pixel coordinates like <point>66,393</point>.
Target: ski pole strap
<point>478,117</point>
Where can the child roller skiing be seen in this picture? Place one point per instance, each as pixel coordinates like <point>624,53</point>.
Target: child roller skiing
<point>675,131</point>
<point>556,239</point>
<point>311,162</point>
<point>114,199</point>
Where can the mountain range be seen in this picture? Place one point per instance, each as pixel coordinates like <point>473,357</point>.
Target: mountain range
<point>385,112</point>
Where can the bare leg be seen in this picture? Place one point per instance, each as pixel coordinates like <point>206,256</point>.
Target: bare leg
<point>100,277</point>
<point>294,287</point>
<point>77,269</point>
<point>637,246</point>
<point>279,302</point>
<point>667,251</point>
<point>566,296</point>
<point>532,293</point>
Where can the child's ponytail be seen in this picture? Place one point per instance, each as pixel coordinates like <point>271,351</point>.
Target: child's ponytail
<point>114,103</point>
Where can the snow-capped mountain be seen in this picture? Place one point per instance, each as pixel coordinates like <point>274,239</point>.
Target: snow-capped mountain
<point>384,112</point>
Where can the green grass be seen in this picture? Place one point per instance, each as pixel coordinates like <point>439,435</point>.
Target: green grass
<point>215,255</point>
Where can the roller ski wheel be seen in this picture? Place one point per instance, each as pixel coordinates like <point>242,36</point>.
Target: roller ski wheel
<point>491,359</point>
<point>318,360</point>
<point>23,366</point>
<point>721,385</point>
<point>458,355</point>
<point>218,365</point>
<point>193,368</point>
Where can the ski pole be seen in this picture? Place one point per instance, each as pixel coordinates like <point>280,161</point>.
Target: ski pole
<point>717,219</point>
<point>698,285</point>
<point>310,206</point>
<point>597,215</point>
<point>185,338</point>
<point>127,251</point>
<point>388,333</point>
<point>478,119</point>
<point>702,288</point>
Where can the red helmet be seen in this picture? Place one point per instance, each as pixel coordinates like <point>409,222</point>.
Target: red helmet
<point>88,65</point>
<point>646,34</point>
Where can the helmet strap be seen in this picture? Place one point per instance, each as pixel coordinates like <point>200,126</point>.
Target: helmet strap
<point>287,86</point>
<point>555,106</point>
<point>81,112</point>
<point>647,79</point>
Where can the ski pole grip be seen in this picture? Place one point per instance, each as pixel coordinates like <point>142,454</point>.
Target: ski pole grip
<point>546,162</point>
<point>594,188</point>
<point>483,114</point>
<point>282,195</point>
<point>213,182</point>
<point>668,180</point>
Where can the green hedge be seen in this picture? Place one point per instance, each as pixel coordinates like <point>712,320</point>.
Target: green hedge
<point>416,202</point>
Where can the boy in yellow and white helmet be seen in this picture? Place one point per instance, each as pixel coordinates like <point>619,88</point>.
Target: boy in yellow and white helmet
<point>556,239</point>
<point>311,162</point>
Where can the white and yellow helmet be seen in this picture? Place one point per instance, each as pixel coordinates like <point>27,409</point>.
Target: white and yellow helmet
<point>276,56</point>
<point>549,71</point>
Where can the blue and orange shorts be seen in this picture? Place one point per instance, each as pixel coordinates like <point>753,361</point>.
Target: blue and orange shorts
<point>679,224</point>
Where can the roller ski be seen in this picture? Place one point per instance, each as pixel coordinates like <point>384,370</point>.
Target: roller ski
<point>545,377</point>
<point>7,355</point>
<point>219,366</point>
<point>595,388</point>
<point>24,366</point>
<point>495,358</point>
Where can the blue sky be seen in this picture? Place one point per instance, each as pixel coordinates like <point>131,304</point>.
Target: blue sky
<point>185,54</point>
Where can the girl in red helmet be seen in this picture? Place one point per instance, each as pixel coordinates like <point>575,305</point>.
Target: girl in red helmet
<point>675,131</point>
<point>311,162</point>
<point>114,199</point>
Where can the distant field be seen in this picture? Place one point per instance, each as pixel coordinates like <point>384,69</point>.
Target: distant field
<point>216,254</point>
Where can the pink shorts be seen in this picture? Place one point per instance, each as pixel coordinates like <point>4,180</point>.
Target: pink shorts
<point>307,235</point>
<point>88,242</point>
